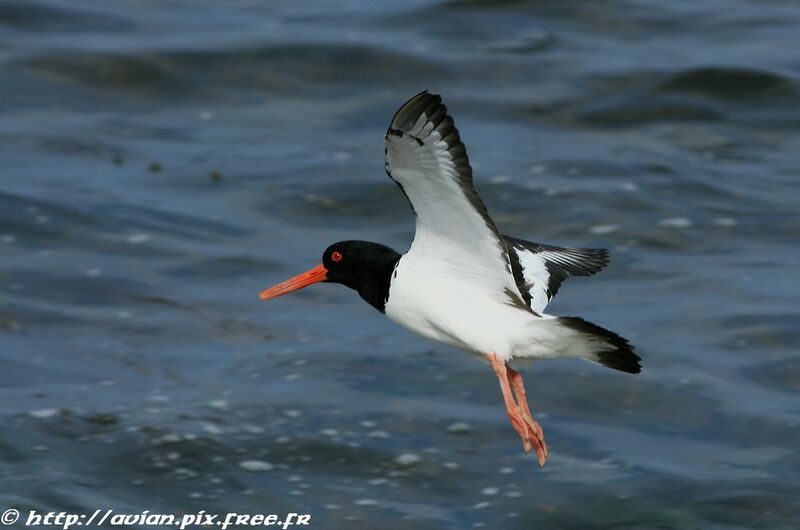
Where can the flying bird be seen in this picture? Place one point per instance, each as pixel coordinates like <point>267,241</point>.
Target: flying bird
<point>462,282</point>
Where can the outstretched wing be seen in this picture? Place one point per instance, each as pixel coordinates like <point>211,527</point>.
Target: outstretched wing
<point>539,269</point>
<point>454,233</point>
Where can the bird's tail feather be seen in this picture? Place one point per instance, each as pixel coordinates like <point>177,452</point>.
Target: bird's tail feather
<point>575,337</point>
<point>611,350</point>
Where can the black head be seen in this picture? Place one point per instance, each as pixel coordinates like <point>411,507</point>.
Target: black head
<point>361,265</point>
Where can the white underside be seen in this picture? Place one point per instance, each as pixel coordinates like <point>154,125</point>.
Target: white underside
<point>435,301</point>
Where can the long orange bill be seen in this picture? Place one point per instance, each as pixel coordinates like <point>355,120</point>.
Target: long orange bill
<point>317,274</point>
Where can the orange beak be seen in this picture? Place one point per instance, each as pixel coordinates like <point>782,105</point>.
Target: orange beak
<point>317,274</point>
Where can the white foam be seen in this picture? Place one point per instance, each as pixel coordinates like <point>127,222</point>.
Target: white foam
<point>43,413</point>
<point>676,222</point>
<point>408,459</point>
<point>459,428</point>
<point>256,465</point>
<point>604,229</point>
<point>138,239</point>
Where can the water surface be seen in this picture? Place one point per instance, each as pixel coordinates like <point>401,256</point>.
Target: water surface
<point>162,162</point>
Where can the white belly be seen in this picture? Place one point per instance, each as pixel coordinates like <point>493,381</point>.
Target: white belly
<point>441,306</point>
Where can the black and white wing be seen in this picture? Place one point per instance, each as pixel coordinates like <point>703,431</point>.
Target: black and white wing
<point>426,158</point>
<point>540,269</point>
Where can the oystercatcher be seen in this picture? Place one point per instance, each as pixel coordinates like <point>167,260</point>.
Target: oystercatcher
<point>462,282</point>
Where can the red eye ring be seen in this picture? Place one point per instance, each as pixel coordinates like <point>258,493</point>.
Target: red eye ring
<point>336,256</point>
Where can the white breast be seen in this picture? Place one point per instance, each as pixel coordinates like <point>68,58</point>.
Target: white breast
<point>436,301</point>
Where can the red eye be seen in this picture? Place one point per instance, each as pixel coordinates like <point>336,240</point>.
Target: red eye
<point>336,256</point>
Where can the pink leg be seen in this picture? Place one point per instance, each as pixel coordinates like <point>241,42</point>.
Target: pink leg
<point>529,431</point>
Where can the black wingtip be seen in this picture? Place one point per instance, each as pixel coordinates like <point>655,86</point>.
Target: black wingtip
<point>603,256</point>
<point>410,111</point>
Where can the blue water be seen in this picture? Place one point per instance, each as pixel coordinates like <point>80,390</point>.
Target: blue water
<point>163,162</point>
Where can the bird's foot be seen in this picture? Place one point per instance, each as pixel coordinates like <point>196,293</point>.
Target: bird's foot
<point>535,432</point>
<point>536,438</point>
<point>519,424</point>
<point>530,432</point>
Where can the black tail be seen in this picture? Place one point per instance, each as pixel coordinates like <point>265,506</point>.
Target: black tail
<point>613,351</point>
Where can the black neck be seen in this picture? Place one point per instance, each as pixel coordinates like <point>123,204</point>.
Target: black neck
<point>374,283</point>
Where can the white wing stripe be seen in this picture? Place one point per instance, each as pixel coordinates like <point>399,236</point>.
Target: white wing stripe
<point>544,267</point>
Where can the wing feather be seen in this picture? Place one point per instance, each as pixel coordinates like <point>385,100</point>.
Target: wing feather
<point>454,233</point>
<point>540,269</point>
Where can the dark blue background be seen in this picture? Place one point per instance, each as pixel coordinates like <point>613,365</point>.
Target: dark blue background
<point>161,162</point>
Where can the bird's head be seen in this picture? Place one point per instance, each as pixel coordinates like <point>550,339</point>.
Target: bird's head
<point>360,265</point>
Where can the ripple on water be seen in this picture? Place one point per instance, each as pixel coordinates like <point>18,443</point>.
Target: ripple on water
<point>730,82</point>
<point>155,156</point>
<point>33,16</point>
